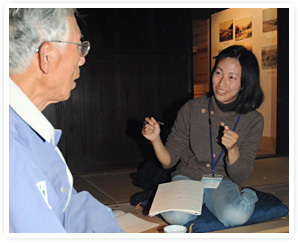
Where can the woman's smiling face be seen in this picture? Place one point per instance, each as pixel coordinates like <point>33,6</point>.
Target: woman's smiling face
<point>226,80</point>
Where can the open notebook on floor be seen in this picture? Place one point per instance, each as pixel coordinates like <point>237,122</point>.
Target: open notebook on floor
<point>130,223</point>
<point>184,196</point>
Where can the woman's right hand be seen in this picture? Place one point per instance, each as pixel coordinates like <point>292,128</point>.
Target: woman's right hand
<point>151,130</point>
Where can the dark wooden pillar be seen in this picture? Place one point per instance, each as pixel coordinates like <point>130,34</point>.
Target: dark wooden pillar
<point>282,124</point>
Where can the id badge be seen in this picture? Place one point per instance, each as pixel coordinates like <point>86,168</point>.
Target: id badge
<point>211,181</point>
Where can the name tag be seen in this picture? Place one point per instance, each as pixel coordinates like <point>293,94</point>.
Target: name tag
<point>211,181</point>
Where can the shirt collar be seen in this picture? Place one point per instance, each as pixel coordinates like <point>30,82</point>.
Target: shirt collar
<point>24,107</point>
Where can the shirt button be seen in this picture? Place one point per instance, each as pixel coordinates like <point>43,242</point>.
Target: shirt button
<point>208,165</point>
<point>62,189</point>
<point>212,112</point>
<point>203,111</point>
<point>222,124</point>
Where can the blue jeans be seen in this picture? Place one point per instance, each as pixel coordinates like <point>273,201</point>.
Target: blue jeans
<point>229,205</point>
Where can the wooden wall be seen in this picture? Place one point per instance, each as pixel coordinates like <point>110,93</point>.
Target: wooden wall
<point>140,64</point>
<point>201,54</point>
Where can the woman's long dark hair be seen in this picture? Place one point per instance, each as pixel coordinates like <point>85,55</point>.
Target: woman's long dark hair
<point>251,95</point>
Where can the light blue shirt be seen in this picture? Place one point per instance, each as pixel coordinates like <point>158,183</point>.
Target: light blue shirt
<point>41,194</point>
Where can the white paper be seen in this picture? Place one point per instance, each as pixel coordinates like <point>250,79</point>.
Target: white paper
<point>118,213</point>
<point>130,223</point>
<point>185,196</point>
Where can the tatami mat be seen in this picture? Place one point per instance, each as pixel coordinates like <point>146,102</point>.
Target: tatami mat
<point>117,187</point>
<point>113,187</point>
<point>269,171</point>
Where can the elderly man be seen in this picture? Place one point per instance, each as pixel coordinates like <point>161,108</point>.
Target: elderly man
<point>45,55</point>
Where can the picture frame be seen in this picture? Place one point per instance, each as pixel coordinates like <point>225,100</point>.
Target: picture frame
<point>269,19</point>
<point>269,56</point>
<point>243,28</point>
<point>226,31</point>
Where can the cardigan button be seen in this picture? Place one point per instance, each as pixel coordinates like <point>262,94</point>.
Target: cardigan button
<point>222,124</point>
<point>212,112</point>
<point>214,155</point>
<point>203,110</point>
<point>208,165</point>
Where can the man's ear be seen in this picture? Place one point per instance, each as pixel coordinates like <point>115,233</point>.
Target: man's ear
<point>44,57</point>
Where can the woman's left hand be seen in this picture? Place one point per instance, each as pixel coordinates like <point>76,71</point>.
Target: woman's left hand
<point>229,138</point>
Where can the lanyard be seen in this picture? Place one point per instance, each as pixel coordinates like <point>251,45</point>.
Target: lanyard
<point>210,132</point>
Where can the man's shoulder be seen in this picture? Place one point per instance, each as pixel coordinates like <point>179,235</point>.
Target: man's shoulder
<point>21,136</point>
<point>17,125</point>
<point>15,121</point>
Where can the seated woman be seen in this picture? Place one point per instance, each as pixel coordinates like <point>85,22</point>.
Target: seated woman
<point>217,136</point>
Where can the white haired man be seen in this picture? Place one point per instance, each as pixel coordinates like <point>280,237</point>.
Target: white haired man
<point>45,55</point>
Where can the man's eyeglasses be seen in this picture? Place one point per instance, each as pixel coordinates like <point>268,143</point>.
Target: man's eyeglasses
<point>83,47</point>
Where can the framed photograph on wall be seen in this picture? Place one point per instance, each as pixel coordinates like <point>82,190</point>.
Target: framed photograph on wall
<point>269,19</point>
<point>243,28</point>
<point>226,31</point>
<point>269,57</point>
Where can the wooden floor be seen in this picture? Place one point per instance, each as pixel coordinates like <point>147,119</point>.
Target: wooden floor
<point>270,175</point>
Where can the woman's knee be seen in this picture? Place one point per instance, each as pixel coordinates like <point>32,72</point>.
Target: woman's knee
<point>175,217</point>
<point>238,214</point>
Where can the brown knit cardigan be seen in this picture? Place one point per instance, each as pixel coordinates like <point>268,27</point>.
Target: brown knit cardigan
<point>189,143</point>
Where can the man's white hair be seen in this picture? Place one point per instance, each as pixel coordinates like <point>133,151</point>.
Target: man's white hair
<point>29,28</point>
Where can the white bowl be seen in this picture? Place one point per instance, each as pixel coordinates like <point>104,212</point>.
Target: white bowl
<point>175,229</point>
